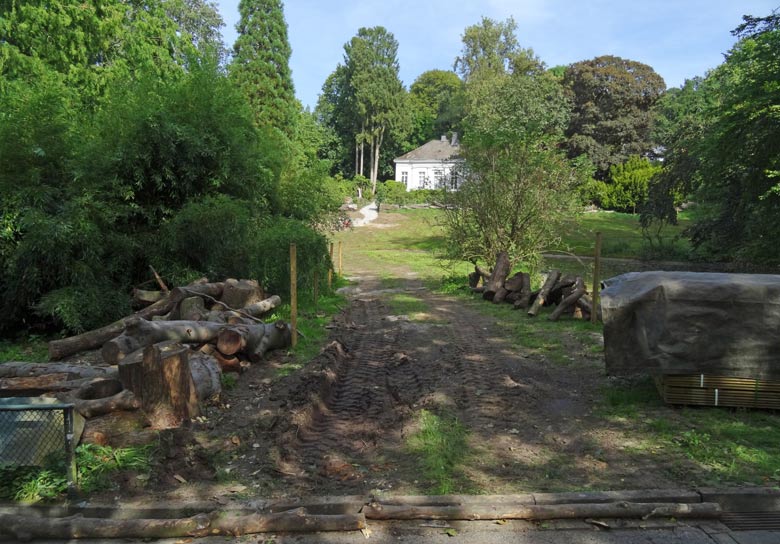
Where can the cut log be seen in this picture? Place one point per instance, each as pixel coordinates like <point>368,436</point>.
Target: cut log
<point>206,373</point>
<point>143,297</point>
<point>515,283</point>
<point>552,279</point>
<point>586,304</point>
<point>498,276</point>
<point>19,369</point>
<point>264,306</point>
<point>558,292</point>
<point>524,299</point>
<point>192,309</point>
<point>124,400</point>
<point>570,300</point>
<point>33,384</point>
<point>204,369</point>
<point>25,528</point>
<point>96,338</point>
<point>241,293</point>
<point>254,340</point>
<point>482,273</point>
<point>229,363</point>
<point>140,333</point>
<point>543,512</point>
<point>500,295</point>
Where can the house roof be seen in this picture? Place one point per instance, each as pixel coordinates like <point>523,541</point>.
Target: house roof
<point>435,150</point>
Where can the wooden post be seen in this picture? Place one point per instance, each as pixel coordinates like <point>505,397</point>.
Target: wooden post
<point>594,315</point>
<point>341,259</point>
<point>294,294</point>
<point>330,270</point>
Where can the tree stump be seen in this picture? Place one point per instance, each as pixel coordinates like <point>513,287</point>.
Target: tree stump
<point>163,382</point>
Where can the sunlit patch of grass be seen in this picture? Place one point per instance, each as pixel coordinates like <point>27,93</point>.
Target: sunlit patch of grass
<point>94,465</point>
<point>441,444</point>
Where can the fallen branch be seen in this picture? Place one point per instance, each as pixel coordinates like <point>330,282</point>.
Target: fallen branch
<point>25,528</point>
<point>552,279</point>
<point>379,511</point>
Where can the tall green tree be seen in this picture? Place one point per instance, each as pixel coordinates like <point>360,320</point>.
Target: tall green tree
<point>516,185</point>
<point>612,116</point>
<point>363,99</point>
<point>436,102</point>
<point>261,64</point>
<point>489,45</point>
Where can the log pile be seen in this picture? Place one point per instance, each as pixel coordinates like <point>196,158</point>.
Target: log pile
<point>165,359</point>
<point>567,293</point>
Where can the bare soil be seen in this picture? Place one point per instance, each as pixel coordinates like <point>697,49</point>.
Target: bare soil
<point>341,424</point>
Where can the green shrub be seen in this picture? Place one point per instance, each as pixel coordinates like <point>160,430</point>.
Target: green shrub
<point>271,254</point>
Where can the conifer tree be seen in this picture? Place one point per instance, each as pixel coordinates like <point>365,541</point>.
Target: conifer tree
<point>260,64</point>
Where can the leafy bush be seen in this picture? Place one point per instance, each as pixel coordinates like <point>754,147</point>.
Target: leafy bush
<point>271,254</point>
<point>394,192</point>
<point>627,187</point>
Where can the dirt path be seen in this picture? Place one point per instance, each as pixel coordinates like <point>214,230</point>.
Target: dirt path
<point>344,423</point>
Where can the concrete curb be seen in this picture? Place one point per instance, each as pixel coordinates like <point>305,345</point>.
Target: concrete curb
<point>753,499</point>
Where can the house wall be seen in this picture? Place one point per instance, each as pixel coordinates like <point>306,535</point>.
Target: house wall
<point>423,174</point>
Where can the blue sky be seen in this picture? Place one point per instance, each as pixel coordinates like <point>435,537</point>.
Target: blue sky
<point>678,38</point>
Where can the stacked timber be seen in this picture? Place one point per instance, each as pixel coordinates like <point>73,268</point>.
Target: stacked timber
<point>706,390</point>
<point>165,359</point>
<point>566,292</point>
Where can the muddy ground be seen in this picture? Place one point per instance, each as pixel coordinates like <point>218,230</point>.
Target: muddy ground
<point>342,424</point>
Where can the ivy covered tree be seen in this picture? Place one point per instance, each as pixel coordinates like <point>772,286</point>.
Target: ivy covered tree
<point>612,115</point>
<point>260,65</point>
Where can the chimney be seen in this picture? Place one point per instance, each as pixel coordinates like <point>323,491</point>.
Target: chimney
<point>455,141</point>
<point>443,137</point>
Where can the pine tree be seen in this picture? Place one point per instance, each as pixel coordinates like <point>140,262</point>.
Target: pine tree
<point>260,64</point>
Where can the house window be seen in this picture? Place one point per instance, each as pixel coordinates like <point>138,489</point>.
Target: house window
<point>438,178</point>
<point>423,179</point>
<point>405,178</point>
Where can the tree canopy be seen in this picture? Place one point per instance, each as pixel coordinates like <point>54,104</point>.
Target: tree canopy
<point>612,115</point>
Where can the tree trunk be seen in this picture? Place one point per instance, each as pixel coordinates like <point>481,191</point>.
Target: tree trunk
<point>253,340</point>
<point>552,279</point>
<point>498,276</point>
<point>570,300</point>
<point>96,338</point>
<point>543,512</point>
<point>192,309</point>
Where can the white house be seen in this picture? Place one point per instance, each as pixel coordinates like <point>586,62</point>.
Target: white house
<point>430,165</point>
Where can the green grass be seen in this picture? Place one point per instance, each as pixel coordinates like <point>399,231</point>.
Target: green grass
<point>94,463</point>
<point>732,446</point>
<point>441,447</point>
<point>33,349</point>
<point>621,237</point>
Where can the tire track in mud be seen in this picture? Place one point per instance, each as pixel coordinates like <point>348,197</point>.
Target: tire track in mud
<point>382,371</point>
<point>362,391</point>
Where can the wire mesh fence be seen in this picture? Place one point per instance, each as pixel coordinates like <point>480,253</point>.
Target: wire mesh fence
<point>37,432</point>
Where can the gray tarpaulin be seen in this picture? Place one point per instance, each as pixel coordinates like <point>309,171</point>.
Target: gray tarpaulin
<point>692,323</point>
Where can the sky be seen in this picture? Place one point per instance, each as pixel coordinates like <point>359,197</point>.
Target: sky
<point>680,39</point>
